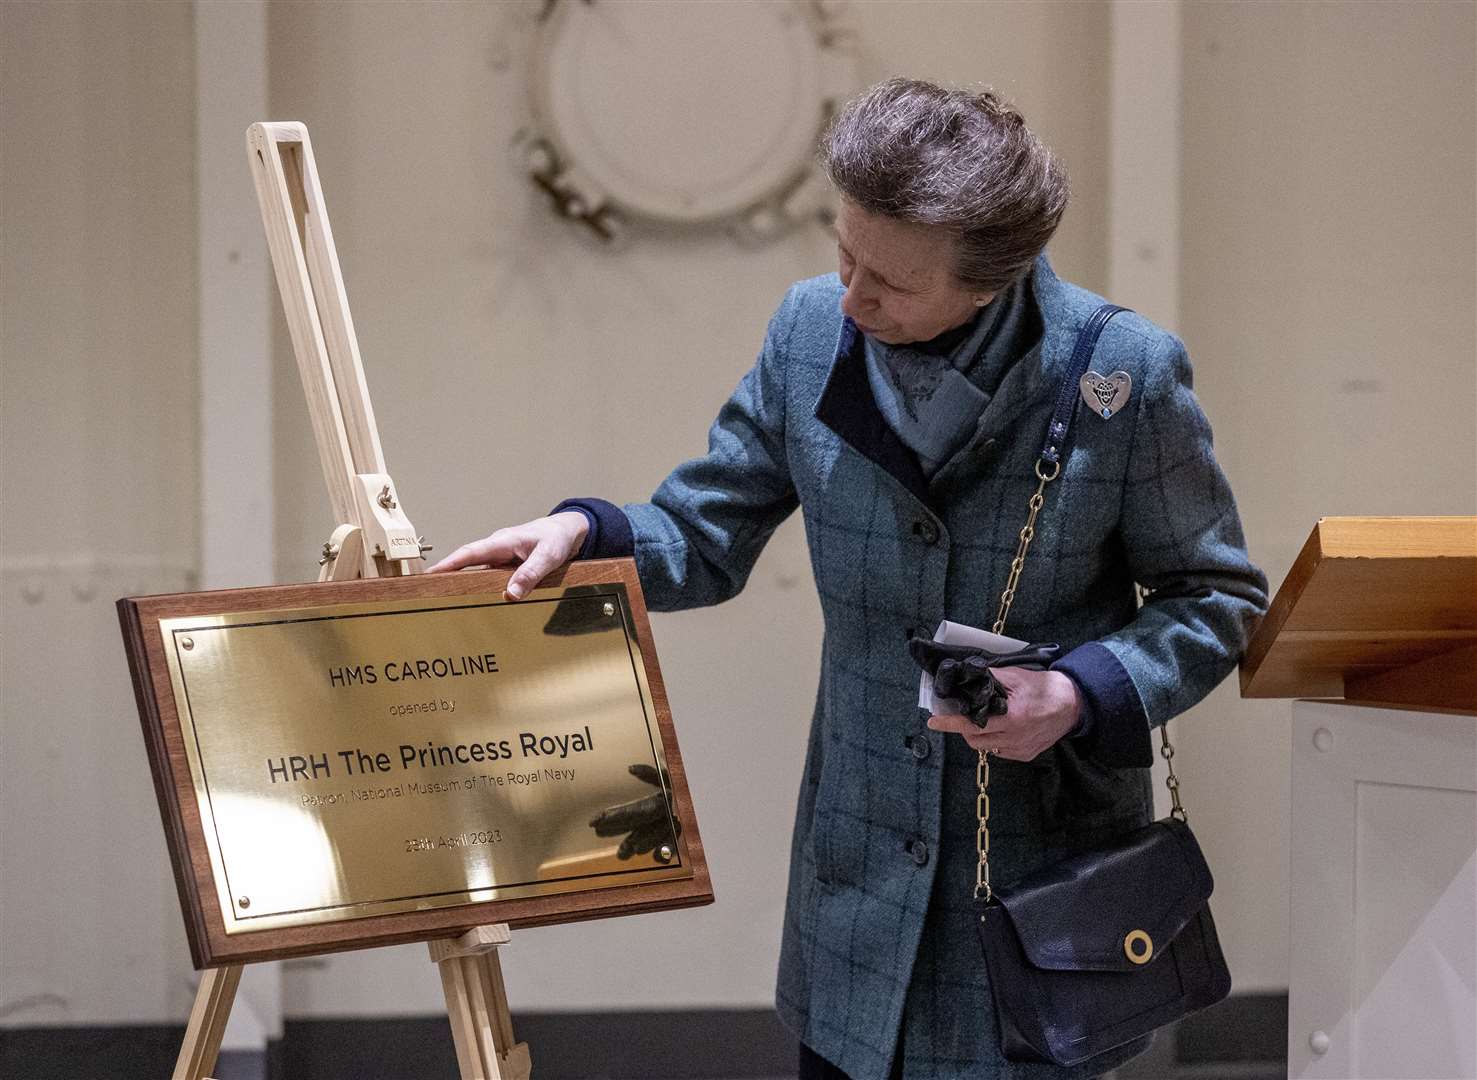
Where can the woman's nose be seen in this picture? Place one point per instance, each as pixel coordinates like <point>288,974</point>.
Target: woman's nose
<point>857,299</point>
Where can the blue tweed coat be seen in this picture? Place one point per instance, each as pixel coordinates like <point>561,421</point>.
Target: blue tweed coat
<point>880,956</point>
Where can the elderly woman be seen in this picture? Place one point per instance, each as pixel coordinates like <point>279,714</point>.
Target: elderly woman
<point>901,406</point>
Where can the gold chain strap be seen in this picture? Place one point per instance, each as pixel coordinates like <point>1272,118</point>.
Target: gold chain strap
<point>1171,781</point>
<point>1028,533</point>
<point>982,768</point>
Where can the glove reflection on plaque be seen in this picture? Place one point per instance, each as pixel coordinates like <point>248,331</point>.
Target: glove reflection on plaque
<point>962,673</point>
<point>646,823</point>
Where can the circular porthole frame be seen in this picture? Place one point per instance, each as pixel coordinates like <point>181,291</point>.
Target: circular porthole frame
<point>566,163</point>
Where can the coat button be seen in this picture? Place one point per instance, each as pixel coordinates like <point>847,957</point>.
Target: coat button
<point>919,851</point>
<point>920,746</point>
<point>926,531</point>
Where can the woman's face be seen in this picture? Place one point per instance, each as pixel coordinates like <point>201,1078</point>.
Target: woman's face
<point>899,279</point>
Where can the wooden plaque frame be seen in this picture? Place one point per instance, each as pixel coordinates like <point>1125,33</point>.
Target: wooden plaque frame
<point>210,945</point>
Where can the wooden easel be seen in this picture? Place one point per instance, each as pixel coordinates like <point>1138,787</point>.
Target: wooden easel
<point>374,539</point>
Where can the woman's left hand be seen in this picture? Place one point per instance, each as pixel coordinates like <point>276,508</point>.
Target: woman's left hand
<point>1042,707</point>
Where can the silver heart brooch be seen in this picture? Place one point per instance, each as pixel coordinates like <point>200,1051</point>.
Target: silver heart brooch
<point>1105,396</point>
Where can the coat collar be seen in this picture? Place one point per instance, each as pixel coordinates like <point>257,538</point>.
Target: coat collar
<point>847,406</point>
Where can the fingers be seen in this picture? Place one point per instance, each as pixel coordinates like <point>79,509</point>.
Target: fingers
<point>971,683</point>
<point>537,548</point>
<point>546,557</point>
<point>928,654</point>
<point>955,724</point>
<point>644,839</point>
<point>630,815</point>
<point>647,774</point>
<point>998,738</point>
<point>493,550</point>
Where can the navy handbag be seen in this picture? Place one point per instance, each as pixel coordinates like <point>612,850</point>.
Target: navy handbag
<point>1102,948</point>
<point>1097,950</point>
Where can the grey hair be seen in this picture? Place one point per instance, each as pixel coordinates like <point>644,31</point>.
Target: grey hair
<point>965,162</point>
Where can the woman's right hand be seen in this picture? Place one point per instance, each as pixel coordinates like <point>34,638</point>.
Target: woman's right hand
<point>536,547</point>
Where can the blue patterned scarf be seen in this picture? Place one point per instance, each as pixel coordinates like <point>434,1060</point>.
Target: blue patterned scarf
<point>931,393</point>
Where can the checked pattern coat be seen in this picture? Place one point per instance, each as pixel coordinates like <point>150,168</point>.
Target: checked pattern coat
<point>880,959</point>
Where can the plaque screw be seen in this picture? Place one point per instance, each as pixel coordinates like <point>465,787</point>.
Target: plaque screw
<point>386,499</point>
<point>329,552</point>
<point>421,543</point>
<point>244,902</point>
<point>186,643</point>
<point>609,608</point>
<point>664,853</point>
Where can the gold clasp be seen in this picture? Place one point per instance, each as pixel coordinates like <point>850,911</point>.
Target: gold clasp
<point>1138,947</point>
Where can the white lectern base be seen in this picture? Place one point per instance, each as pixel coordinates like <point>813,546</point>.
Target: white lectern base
<point>1383,965</point>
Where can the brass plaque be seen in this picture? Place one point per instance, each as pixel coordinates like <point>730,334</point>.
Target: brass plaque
<point>360,759</point>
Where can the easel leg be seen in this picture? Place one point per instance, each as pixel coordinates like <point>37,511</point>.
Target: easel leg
<point>207,1024</point>
<point>477,1005</point>
<point>491,973</point>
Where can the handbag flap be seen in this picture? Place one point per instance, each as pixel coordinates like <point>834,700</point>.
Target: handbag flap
<point>1112,908</point>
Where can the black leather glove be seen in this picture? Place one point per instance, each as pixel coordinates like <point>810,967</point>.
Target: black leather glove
<point>962,673</point>
<point>647,822</point>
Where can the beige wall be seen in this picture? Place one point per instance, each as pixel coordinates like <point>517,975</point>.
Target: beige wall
<point>98,439</point>
<point>1327,296</point>
<point>1328,303</point>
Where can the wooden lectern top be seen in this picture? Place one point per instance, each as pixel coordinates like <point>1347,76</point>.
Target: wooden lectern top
<point>1380,610</point>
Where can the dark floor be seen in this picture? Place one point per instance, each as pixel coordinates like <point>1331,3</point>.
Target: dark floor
<point>1160,1064</point>
<point>1242,1038</point>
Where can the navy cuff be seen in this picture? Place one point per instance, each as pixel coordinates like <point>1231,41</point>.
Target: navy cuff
<point>609,535</point>
<point>1116,731</point>
<point>1087,717</point>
